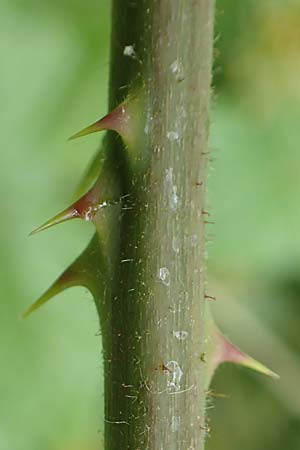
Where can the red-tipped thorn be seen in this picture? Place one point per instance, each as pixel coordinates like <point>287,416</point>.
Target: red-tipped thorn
<point>84,208</point>
<point>117,120</point>
<point>227,352</point>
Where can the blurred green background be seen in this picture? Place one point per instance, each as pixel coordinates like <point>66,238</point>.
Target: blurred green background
<point>53,81</point>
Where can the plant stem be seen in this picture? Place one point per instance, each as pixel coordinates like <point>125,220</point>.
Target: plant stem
<point>154,332</point>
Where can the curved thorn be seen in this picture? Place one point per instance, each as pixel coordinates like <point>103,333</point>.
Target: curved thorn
<point>66,280</point>
<point>117,120</point>
<point>228,352</point>
<point>84,208</point>
<point>82,272</point>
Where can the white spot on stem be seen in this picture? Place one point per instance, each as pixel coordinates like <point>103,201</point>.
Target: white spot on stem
<point>88,214</point>
<point>175,374</point>
<point>173,136</point>
<point>129,51</point>
<point>171,189</point>
<point>180,335</point>
<point>176,70</point>
<point>174,66</point>
<point>92,210</point>
<point>164,276</point>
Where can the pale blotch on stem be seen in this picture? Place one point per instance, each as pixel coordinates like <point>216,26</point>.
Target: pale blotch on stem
<point>164,276</point>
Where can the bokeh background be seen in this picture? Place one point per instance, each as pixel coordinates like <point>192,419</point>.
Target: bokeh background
<point>53,81</point>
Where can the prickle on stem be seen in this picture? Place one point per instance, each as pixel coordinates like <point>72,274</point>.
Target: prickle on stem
<point>82,272</point>
<point>226,351</point>
<point>119,120</point>
<point>84,208</point>
<point>67,279</point>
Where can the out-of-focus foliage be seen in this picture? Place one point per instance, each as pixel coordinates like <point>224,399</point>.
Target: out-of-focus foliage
<point>53,81</point>
<point>254,196</point>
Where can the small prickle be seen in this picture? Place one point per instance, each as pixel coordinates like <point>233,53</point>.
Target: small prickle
<point>84,208</point>
<point>80,273</point>
<point>226,351</point>
<point>117,120</point>
<point>125,119</point>
<point>67,279</point>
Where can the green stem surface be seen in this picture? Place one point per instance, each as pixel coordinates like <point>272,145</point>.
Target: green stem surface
<point>154,332</point>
